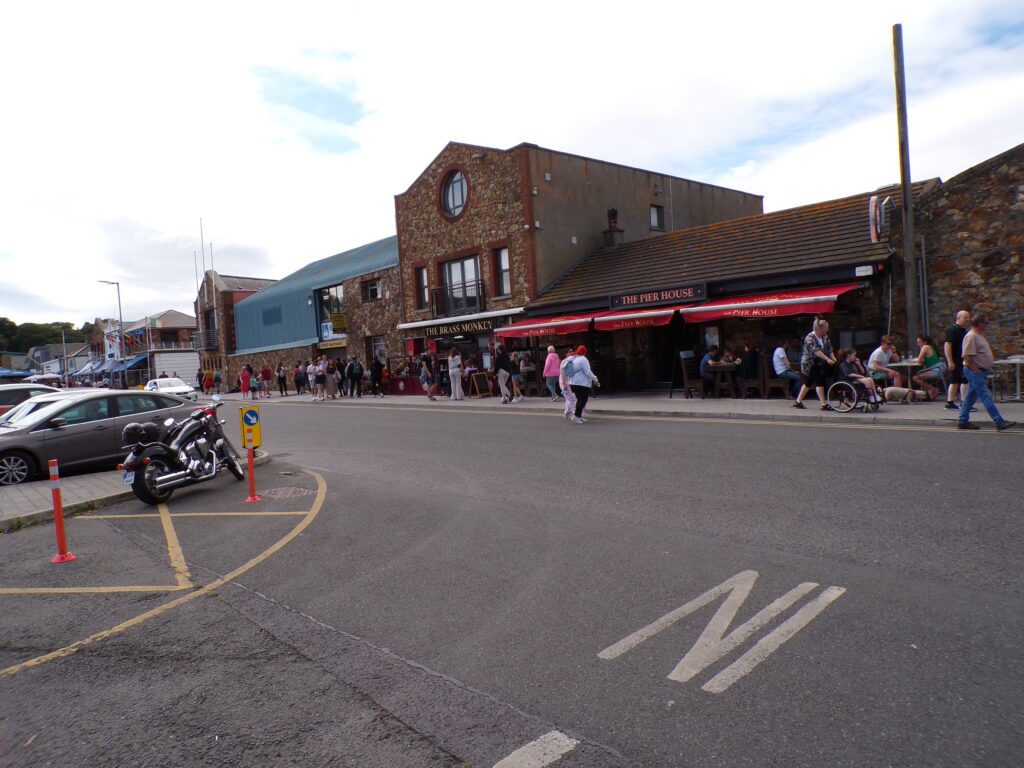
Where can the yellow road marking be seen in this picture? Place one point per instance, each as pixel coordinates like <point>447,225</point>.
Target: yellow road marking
<point>67,650</point>
<point>85,590</point>
<point>181,574</point>
<point>192,514</point>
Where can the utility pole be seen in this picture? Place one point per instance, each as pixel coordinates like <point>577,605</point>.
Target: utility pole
<point>120,322</point>
<point>909,260</point>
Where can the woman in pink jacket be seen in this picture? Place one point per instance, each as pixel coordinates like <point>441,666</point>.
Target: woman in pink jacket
<point>551,373</point>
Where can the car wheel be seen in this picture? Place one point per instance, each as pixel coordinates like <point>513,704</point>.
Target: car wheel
<point>16,467</point>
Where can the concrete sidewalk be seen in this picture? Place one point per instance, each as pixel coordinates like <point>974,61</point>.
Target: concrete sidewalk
<point>660,405</point>
<point>30,503</point>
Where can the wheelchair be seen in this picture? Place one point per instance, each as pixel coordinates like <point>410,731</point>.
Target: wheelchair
<point>844,395</point>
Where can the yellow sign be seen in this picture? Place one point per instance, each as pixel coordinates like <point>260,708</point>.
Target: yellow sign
<point>249,419</point>
<point>333,344</point>
<point>339,322</point>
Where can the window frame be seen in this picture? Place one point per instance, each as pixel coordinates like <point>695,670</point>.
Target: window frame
<point>501,272</point>
<point>657,217</point>
<point>369,287</point>
<point>422,290</point>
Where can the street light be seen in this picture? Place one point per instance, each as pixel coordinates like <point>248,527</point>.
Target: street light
<point>120,320</point>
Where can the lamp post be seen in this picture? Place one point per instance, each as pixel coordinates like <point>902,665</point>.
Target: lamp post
<point>120,320</point>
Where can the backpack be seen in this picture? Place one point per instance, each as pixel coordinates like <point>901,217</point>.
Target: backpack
<point>357,370</point>
<point>568,367</point>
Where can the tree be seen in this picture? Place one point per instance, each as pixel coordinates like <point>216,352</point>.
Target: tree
<point>8,330</point>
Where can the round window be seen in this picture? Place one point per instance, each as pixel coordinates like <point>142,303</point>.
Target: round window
<point>453,193</point>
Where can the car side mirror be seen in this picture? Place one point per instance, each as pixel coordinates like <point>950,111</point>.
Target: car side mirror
<point>58,423</point>
<point>168,422</point>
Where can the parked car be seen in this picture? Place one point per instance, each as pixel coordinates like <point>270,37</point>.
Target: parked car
<point>13,394</point>
<point>172,387</point>
<point>79,428</point>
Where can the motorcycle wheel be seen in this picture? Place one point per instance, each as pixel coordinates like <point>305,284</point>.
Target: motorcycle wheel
<point>233,462</point>
<point>143,486</point>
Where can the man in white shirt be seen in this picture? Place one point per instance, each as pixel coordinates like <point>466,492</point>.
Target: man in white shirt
<point>878,363</point>
<point>780,362</point>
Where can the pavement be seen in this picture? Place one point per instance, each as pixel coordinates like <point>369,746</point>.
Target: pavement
<point>497,587</point>
<point>659,404</point>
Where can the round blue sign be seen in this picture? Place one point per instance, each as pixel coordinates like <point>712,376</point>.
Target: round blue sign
<point>251,418</point>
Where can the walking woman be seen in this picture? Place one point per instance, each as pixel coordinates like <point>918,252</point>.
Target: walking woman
<point>550,373</point>
<point>455,373</point>
<point>816,363</point>
<point>245,377</point>
<point>564,371</point>
<point>503,371</point>
<point>517,378</point>
<point>332,380</point>
<point>282,379</point>
<point>581,380</point>
<point>427,376</point>
<point>298,375</point>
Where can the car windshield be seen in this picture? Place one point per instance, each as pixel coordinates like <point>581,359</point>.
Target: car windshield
<point>31,412</point>
<point>167,383</point>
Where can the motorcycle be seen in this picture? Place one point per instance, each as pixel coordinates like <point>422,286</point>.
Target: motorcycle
<point>194,450</point>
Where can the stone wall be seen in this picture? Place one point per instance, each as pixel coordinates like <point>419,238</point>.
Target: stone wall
<point>973,228</point>
<point>376,318</point>
<point>495,217</point>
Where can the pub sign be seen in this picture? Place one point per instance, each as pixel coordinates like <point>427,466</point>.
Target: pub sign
<point>659,296</point>
<point>464,328</point>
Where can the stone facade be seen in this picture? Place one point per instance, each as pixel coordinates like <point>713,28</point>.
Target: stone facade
<point>369,319</point>
<point>495,217</point>
<point>973,230</point>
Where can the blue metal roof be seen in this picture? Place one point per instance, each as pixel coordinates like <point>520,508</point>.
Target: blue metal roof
<point>284,314</point>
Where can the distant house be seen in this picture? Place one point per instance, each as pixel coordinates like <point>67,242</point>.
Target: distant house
<point>51,358</point>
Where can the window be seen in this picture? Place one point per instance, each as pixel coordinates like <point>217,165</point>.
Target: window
<point>128,405</point>
<point>502,273</point>
<point>461,280</point>
<point>272,316</point>
<point>657,217</point>
<point>378,348</point>
<point>90,410</point>
<point>422,288</point>
<point>332,301</point>
<point>453,193</point>
<point>371,290</point>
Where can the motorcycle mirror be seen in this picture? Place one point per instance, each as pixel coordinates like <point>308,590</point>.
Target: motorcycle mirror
<point>217,398</point>
<point>168,422</point>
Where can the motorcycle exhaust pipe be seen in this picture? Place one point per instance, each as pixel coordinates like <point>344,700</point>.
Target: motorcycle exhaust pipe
<point>171,477</point>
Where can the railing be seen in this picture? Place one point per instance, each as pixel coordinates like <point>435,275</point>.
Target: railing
<point>204,340</point>
<point>461,299</point>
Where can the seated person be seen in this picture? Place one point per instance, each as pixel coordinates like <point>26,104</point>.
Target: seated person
<point>750,365</point>
<point>794,352</point>
<point>783,367</point>
<point>879,361</point>
<point>852,369</point>
<point>934,367</point>
<point>705,364</point>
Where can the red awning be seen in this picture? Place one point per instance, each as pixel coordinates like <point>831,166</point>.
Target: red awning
<point>548,326</point>
<point>636,318</point>
<point>778,304</point>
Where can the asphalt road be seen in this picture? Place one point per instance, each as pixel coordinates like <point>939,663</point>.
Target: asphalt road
<point>476,580</point>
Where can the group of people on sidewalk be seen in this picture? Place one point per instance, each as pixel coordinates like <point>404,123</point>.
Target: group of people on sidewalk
<point>320,378</point>
<point>968,361</point>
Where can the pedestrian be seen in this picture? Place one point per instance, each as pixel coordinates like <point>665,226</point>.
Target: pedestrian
<point>208,381</point>
<point>428,379</point>
<point>332,380</point>
<point>320,373</point>
<point>377,377</point>
<point>550,373</point>
<point>246,380</point>
<point>564,371</point>
<point>517,378</point>
<point>503,371</point>
<point>163,375</point>
<point>455,373</point>
<point>297,376</point>
<point>216,381</point>
<point>816,364</point>
<point>266,379</point>
<point>581,379</point>
<point>978,361</point>
<point>953,348</point>
<point>310,371</point>
<point>282,379</point>
<point>354,374</point>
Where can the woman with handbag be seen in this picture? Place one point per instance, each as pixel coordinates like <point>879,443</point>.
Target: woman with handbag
<point>816,364</point>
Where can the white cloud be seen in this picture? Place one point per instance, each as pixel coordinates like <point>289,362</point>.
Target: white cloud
<point>124,123</point>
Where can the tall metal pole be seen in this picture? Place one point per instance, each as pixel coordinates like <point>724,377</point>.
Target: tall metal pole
<point>64,350</point>
<point>120,324</point>
<point>216,315</point>
<point>909,261</point>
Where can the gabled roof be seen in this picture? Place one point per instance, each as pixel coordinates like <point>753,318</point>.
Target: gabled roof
<point>821,235</point>
<point>236,283</point>
<point>57,350</point>
<point>169,318</point>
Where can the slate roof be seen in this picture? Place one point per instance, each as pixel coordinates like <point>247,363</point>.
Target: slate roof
<point>821,235</point>
<point>237,283</point>
<point>169,318</point>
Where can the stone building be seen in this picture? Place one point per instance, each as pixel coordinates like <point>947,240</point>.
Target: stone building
<point>215,338</point>
<point>343,305</point>
<point>972,227</point>
<point>483,231</point>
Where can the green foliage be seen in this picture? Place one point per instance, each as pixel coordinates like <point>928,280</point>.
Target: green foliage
<point>19,338</point>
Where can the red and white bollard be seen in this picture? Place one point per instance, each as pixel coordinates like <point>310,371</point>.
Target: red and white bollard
<point>62,556</point>
<point>252,467</point>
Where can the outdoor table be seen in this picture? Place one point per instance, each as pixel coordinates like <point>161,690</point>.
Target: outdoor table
<point>909,366</point>
<point>722,376</point>
<point>1017,362</point>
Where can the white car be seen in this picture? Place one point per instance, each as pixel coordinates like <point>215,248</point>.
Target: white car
<point>172,387</point>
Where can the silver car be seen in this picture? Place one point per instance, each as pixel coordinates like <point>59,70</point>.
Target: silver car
<point>80,429</point>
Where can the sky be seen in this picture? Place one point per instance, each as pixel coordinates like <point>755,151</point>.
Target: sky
<point>289,128</point>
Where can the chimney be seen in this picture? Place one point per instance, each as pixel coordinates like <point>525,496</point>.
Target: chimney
<point>613,236</point>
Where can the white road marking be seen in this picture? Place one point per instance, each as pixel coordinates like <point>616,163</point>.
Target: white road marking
<point>547,749</point>
<point>713,642</point>
<point>771,642</point>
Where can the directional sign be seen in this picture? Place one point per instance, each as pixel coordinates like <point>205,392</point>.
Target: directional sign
<point>249,418</point>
